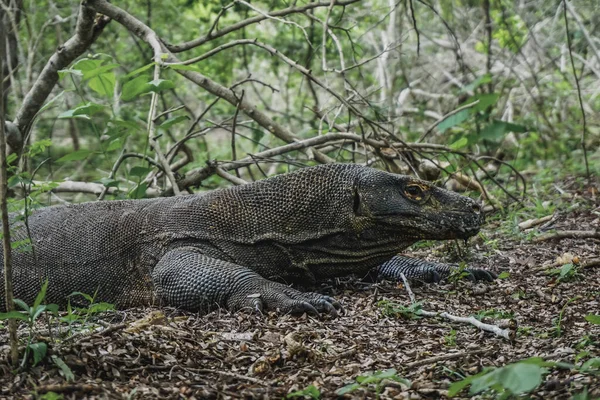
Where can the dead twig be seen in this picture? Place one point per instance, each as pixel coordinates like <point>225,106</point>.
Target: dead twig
<point>508,334</point>
<point>530,223</point>
<point>567,235</point>
<point>67,388</point>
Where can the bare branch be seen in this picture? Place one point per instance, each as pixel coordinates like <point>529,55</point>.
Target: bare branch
<point>239,25</point>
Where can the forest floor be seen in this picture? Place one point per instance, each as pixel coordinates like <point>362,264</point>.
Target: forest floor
<point>168,354</point>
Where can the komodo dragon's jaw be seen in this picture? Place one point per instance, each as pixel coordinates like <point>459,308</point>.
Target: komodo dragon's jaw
<point>416,208</point>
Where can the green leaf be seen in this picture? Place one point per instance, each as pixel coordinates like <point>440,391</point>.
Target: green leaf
<point>172,121</point>
<point>100,307</point>
<point>521,377</point>
<point>41,295</point>
<point>140,70</point>
<point>310,391</point>
<point>139,192</point>
<point>64,368</point>
<point>140,171</point>
<point>593,319</point>
<point>39,351</point>
<point>14,315</point>
<point>487,78</point>
<point>460,143</point>
<point>347,389</point>
<point>37,311</point>
<point>593,364</point>
<point>498,129</point>
<point>504,275</point>
<point>454,120</point>
<point>88,74</point>
<point>22,304</point>
<point>109,182</point>
<point>135,87</point>
<point>75,156</point>
<point>457,387</point>
<point>83,111</point>
<point>485,100</point>
<point>53,308</point>
<point>116,144</point>
<point>89,298</point>
<point>159,85</point>
<point>103,84</point>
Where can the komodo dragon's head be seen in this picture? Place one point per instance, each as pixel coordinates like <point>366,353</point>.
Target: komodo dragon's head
<point>415,208</point>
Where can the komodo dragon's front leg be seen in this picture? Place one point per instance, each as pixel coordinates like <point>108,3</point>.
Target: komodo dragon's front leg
<point>188,279</point>
<point>415,269</point>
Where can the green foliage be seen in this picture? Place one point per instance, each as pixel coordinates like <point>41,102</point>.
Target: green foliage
<point>310,391</point>
<point>566,273</point>
<point>593,319</point>
<point>517,378</point>
<point>392,309</point>
<point>373,381</point>
<point>30,315</point>
<point>510,380</point>
<point>450,338</point>
<point>494,313</point>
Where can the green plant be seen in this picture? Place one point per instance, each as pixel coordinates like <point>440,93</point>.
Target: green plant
<point>517,378</point>
<point>30,315</point>
<point>310,391</point>
<point>494,313</point>
<point>510,380</point>
<point>459,273</point>
<point>392,309</point>
<point>450,338</point>
<point>373,381</point>
<point>566,273</point>
<point>557,330</point>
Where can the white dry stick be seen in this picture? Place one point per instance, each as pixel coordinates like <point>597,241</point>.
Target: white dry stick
<point>505,333</point>
<point>408,289</point>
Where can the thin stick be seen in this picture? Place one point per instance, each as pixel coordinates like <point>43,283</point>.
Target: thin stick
<point>584,123</point>
<point>567,235</point>
<point>8,286</point>
<point>505,333</point>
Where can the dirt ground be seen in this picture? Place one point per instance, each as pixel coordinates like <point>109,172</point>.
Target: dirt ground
<point>181,355</point>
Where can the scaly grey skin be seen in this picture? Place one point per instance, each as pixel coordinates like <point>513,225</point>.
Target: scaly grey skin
<point>242,246</point>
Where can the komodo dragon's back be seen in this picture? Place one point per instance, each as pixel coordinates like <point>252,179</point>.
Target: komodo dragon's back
<point>228,247</point>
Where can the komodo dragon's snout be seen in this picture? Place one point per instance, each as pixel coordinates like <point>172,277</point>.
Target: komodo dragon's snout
<point>417,208</point>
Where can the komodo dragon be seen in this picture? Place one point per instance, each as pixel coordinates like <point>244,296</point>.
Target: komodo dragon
<point>239,247</point>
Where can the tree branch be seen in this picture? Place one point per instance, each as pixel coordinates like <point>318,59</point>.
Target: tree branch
<point>241,24</point>
<point>87,30</point>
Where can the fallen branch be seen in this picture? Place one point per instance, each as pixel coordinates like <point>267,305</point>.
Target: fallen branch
<point>567,235</point>
<point>508,334</point>
<point>67,388</point>
<point>530,223</point>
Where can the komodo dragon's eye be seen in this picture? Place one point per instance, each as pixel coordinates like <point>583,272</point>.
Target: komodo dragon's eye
<point>414,192</point>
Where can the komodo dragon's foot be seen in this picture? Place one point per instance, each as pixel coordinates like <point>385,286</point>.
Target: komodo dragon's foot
<point>426,271</point>
<point>190,280</point>
<point>259,294</point>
